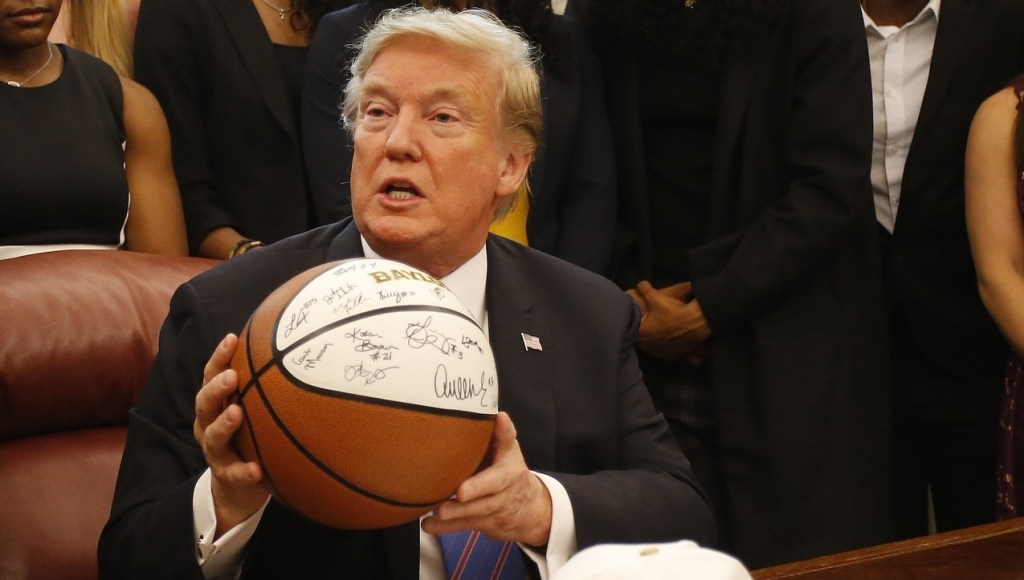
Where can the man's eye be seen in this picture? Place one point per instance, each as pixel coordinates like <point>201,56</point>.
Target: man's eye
<point>374,112</point>
<point>444,118</point>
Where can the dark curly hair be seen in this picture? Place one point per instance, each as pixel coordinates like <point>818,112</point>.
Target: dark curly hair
<point>696,30</point>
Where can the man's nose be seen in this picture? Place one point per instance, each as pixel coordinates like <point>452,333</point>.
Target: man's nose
<point>403,138</point>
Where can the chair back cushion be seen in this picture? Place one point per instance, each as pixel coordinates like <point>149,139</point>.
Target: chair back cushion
<point>78,333</point>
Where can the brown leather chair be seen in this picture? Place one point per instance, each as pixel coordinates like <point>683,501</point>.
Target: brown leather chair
<point>78,333</point>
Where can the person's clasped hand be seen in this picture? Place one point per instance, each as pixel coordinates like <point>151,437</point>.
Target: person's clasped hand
<point>672,324</point>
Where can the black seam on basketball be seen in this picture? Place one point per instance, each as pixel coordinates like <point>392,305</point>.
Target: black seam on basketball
<point>320,465</point>
<point>389,403</point>
<point>259,455</point>
<point>254,375</point>
<point>254,380</point>
<point>278,354</point>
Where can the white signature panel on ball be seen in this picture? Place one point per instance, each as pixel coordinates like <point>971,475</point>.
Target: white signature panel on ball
<point>380,329</point>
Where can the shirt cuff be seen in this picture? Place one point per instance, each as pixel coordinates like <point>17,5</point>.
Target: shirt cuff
<point>562,539</point>
<point>221,558</point>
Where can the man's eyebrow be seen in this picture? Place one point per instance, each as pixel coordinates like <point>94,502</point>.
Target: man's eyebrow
<point>447,93</point>
<point>441,92</point>
<point>375,87</point>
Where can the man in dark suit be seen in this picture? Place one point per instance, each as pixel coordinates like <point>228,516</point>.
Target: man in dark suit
<point>932,65</point>
<point>435,161</point>
<point>742,130</point>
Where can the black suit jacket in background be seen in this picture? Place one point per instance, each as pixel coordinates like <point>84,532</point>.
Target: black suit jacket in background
<point>788,280</point>
<point>573,201</point>
<point>978,49</point>
<point>234,132</point>
<point>580,406</point>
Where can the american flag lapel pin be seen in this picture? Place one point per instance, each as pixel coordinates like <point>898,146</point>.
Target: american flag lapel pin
<point>531,342</point>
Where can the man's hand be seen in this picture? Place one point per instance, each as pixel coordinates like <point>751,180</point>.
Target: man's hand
<point>505,501</point>
<point>673,324</point>
<point>238,489</point>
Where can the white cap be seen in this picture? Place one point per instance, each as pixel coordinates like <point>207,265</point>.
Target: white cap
<point>676,560</point>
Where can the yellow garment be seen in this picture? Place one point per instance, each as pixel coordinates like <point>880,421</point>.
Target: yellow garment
<point>513,225</point>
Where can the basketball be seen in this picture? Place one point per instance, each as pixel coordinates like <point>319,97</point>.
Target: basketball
<point>369,393</point>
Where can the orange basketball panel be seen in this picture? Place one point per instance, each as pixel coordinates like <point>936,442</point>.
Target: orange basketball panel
<point>404,454</point>
<point>299,484</point>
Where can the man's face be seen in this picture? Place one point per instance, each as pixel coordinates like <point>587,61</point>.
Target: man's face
<point>430,165</point>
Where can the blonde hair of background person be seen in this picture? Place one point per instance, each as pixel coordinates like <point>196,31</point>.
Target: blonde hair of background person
<point>102,28</point>
<point>994,222</point>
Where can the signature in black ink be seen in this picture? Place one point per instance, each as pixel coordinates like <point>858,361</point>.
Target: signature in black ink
<point>352,267</point>
<point>339,292</point>
<point>364,342</point>
<point>440,293</point>
<point>369,376</point>
<point>420,335</point>
<point>459,388</point>
<point>348,303</point>
<point>468,342</point>
<point>367,346</point>
<point>298,319</point>
<point>348,297</point>
<point>309,362</point>
<point>358,334</point>
<point>396,296</point>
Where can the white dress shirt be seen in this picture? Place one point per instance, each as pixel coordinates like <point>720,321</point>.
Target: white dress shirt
<point>222,558</point>
<point>901,57</point>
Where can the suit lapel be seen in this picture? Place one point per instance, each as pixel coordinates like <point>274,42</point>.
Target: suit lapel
<point>525,375</point>
<point>347,244</point>
<point>955,20</point>
<point>250,38</point>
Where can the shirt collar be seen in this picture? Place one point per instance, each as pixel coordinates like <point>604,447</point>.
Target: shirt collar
<point>468,282</point>
<point>931,8</point>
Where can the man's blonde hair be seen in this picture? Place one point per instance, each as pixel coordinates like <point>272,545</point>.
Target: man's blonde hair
<point>479,31</point>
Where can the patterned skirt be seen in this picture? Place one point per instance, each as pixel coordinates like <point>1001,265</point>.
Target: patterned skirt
<point>1010,498</point>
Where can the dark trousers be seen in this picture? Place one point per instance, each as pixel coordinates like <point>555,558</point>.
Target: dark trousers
<point>945,429</point>
<point>683,393</point>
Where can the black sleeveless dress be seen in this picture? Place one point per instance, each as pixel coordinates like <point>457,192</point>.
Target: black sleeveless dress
<point>62,164</point>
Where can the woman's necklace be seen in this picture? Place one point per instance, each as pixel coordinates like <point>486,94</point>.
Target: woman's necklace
<point>49,59</point>
<point>280,11</point>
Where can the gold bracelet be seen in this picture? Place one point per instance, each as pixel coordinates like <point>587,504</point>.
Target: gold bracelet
<point>242,246</point>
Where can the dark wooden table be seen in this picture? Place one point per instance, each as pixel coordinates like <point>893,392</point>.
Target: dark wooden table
<point>987,552</point>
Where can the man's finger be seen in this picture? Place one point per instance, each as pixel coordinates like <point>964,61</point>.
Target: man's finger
<point>639,301</point>
<point>217,436</point>
<point>211,399</point>
<point>654,298</point>
<point>495,477</point>
<point>221,358</point>
<point>680,291</point>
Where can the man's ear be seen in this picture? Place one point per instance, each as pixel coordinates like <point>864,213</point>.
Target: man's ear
<point>513,170</point>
